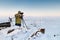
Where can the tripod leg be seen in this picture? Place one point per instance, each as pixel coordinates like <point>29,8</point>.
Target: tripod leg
<point>25,24</point>
<point>22,24</point>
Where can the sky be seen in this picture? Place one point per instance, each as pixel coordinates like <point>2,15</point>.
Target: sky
<point>30,7</point>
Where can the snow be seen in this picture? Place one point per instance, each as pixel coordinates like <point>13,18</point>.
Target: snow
<point>51,25</point>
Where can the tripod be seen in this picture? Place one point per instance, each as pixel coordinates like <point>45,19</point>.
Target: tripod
<point>25,23</point>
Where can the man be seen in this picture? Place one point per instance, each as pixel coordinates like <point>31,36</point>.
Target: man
<point>18,18</point>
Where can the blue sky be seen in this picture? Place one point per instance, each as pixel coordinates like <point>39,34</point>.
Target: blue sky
<point>30,7</point>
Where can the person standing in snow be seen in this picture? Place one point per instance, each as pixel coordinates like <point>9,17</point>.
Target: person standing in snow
<point>18,18</point>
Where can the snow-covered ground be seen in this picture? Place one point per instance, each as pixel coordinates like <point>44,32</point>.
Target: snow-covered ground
<point>51,25</point>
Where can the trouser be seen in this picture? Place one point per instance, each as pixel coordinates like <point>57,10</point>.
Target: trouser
<point>18,25</point>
